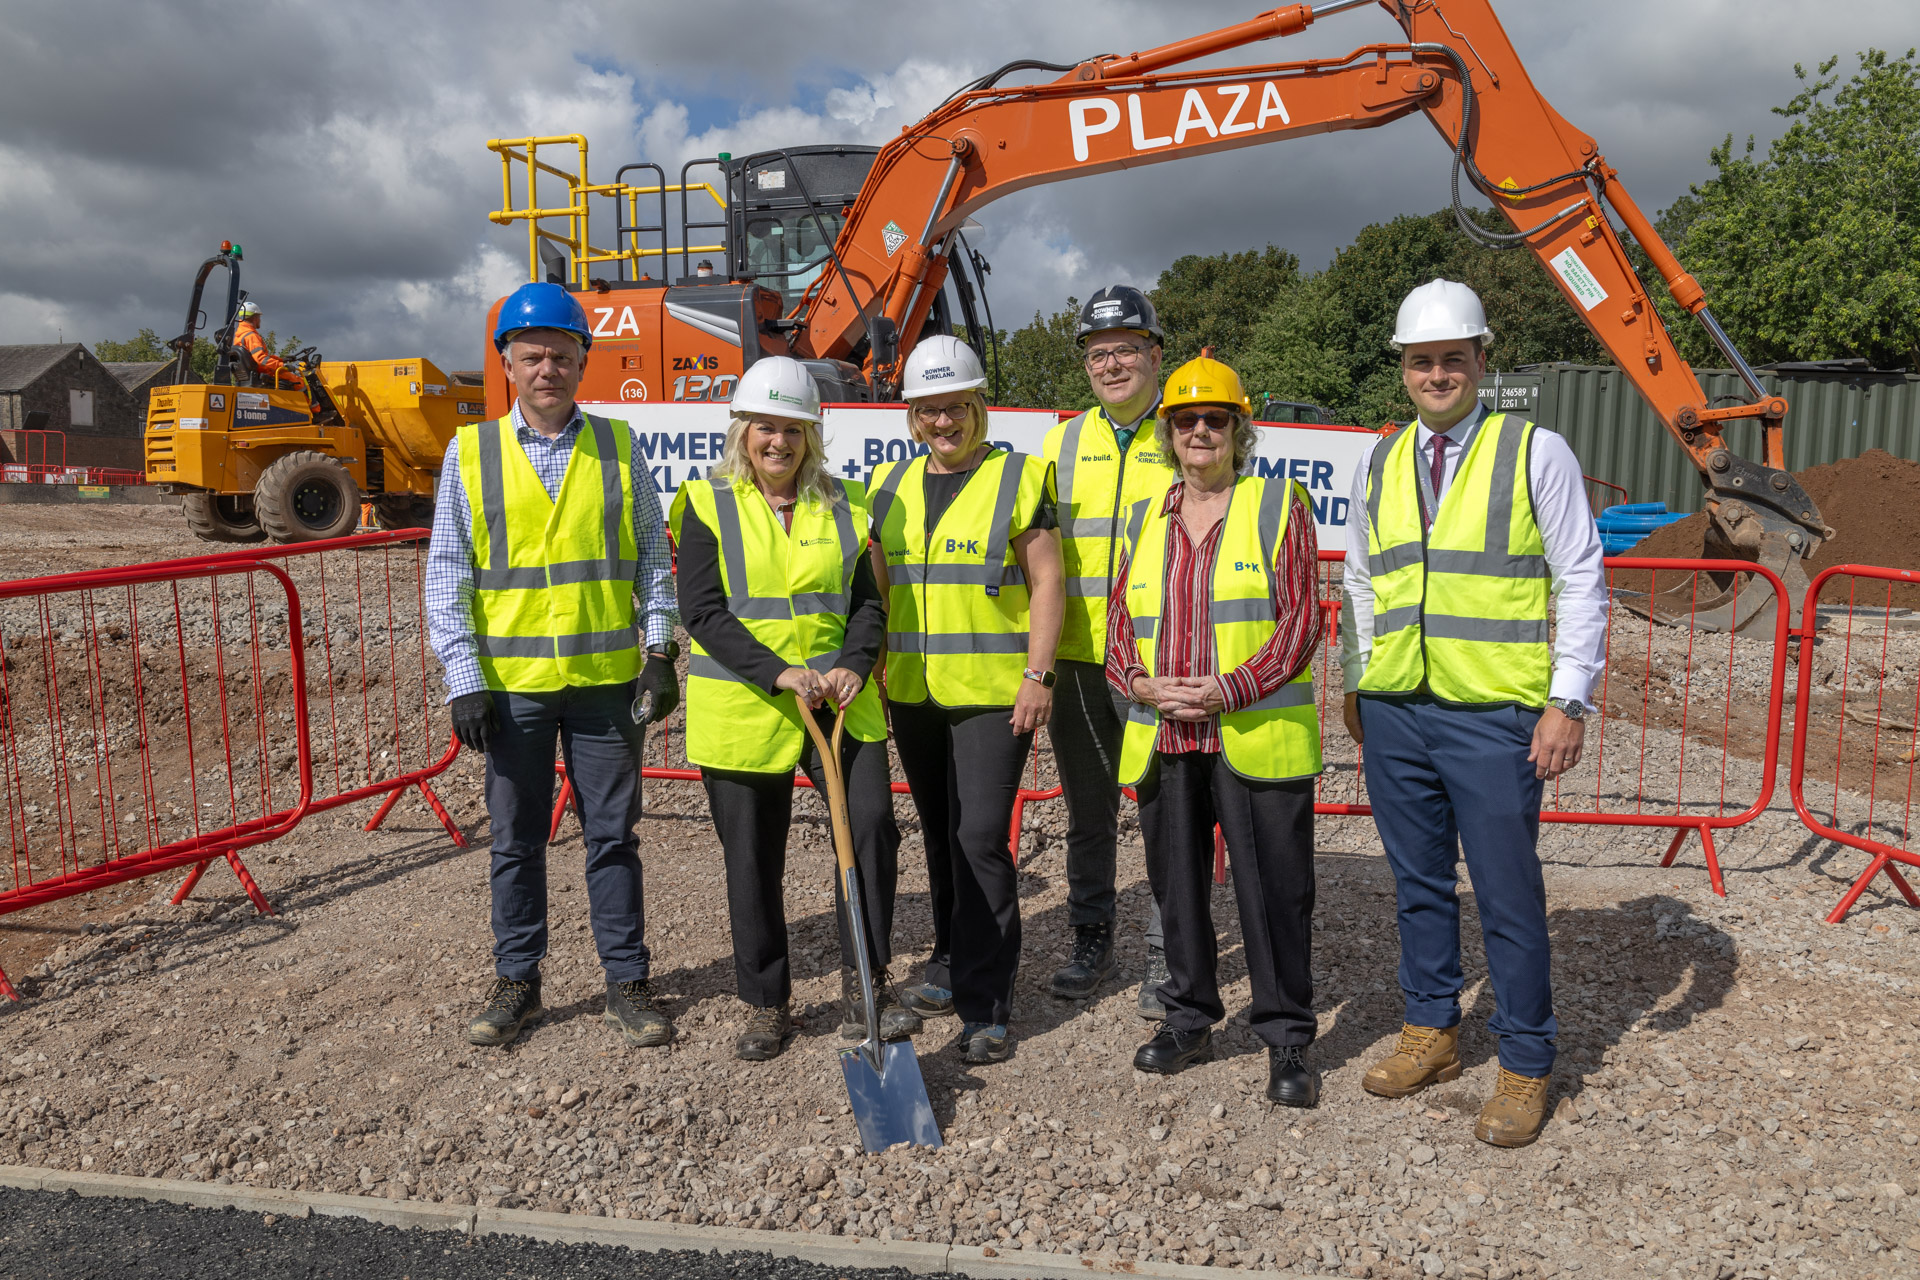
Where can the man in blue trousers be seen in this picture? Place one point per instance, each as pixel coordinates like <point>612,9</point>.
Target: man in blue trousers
<point>1465,524</point>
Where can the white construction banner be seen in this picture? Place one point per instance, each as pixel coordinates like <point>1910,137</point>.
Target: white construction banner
<point>682,442</point>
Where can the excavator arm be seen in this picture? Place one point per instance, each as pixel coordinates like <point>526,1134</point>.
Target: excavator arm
<point>1457,66</point>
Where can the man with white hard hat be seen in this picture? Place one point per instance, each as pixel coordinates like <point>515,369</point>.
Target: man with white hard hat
<point>1465,525</point>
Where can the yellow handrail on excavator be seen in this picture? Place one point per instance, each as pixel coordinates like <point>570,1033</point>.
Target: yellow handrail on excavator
<point>582,253</point>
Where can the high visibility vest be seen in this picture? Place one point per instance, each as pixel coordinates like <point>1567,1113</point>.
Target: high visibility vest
<point>1278,737</point>
<point>553,578</point>
<point>1097,485</point>
<point>956,601</point>
<point>792,592</point>
<point>1459,609</point>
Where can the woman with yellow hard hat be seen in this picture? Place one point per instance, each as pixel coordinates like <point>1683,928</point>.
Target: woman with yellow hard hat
<point>785,618</point>
<point>1212,626</point>
<point>966,552</point>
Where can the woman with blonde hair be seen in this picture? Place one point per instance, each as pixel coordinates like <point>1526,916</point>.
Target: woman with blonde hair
<point>785,617</point>
<point>965,550</point>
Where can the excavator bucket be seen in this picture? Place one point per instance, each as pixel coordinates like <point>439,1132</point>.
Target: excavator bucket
<point>1743,603</point>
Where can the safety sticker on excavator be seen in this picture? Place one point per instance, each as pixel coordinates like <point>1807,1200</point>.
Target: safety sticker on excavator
<point>1579,281</point>
<point>894,237</point>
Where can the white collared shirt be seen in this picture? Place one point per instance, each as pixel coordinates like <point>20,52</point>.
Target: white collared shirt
<point>1574,564</point>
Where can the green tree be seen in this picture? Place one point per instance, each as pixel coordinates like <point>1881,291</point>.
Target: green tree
<point>1216,301</point>
<point>1813,253</point>
<point>1039,364</point>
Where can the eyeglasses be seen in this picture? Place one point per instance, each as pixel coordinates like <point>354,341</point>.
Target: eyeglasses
<point>931,414</point>
<point>1127,356</point>
<point>1188,420</point>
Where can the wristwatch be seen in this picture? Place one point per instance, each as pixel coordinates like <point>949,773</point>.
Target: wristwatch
<point>1044,679</point>
<point>1571,708</point>
<point>671,653</point>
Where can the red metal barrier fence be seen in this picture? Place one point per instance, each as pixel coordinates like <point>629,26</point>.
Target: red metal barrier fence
<point>119,688</point>
<point>1860,720</point>
<point>142,724</point>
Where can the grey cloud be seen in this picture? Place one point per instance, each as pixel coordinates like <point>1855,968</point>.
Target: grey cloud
<point>344,144</point>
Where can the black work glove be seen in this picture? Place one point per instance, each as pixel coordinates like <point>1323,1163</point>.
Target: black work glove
<point>474,720</point>
<point>657,678</point>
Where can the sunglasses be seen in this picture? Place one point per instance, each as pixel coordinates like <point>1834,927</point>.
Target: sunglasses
<point>1212,420</point>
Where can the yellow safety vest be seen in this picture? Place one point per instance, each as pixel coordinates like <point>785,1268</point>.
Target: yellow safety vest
<point>1459,609</point>
<point>553,578</point>
<point>792,591</point>
<point>1097,485</point>
<point>956,602</point>
<point>1278,737</point>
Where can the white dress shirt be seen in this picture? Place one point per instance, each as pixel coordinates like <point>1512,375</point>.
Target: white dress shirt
<point>1574,565</point>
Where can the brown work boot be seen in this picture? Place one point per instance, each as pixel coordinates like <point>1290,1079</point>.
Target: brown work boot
<point>1516,1113</point>
<point>1423,1056</point>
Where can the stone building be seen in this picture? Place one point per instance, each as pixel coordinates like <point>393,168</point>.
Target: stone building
<point>64,388</point>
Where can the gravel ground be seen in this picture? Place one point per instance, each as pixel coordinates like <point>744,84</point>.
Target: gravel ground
<point>1734,1095</point>
<point>49,1236</point>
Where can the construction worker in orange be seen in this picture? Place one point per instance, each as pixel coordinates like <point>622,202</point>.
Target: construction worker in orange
<point>259,356</point>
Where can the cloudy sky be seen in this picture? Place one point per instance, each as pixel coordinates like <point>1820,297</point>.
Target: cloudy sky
<point>344,144</point>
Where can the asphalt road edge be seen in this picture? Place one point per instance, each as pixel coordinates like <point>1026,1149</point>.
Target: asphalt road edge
<point>651,1237</point>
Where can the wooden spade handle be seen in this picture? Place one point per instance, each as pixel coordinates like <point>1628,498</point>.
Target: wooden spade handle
<point>836,784</point>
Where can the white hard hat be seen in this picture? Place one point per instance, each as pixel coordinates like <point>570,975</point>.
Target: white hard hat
<point>1438,311</point>
<point>941,363</point>
<point>779,385</point>
<point>247,309</point>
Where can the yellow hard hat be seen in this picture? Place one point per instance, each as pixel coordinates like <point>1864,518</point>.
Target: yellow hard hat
<point>1205,381</point>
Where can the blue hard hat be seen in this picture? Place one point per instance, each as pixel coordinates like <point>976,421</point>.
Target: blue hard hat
<point>541,305</point>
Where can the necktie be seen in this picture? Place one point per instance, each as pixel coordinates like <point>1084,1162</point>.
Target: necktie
<point>1437,472</point>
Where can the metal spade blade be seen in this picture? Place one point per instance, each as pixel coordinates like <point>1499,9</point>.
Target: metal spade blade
<point>889,1102</point>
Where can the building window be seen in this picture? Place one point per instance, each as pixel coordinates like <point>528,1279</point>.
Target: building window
<point>79,408</point>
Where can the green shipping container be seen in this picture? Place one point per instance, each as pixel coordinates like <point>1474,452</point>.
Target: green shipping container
<point>1833,414</point>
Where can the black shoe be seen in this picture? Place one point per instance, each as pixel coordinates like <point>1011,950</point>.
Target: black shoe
<point>1172,1050</point>
<point>1092,961</point>
<point>896,1021</point>
<point>766,1034</point>
<point>1150,1007</point>
<point>927,1000</point>
<point>985,1042</point>
<point>510,1006</point>
<point>1290,1081</point>
<point>630,1007</point>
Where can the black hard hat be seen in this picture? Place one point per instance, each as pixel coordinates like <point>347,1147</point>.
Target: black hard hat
<point>1119,306</point>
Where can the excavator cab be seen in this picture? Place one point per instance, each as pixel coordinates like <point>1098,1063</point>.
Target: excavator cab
<point>786,209</point>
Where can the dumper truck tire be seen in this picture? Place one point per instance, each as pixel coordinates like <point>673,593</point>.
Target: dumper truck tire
<point>306,496</point>
<point>217,517</point>
<point>403,511</point>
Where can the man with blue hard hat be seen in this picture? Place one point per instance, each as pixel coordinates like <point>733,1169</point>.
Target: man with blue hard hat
<point>547,575</point>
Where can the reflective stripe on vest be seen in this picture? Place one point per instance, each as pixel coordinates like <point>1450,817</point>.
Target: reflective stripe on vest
<point>1278,737</point>
<point>956,601</point>
<point>1460,609</point>
<point>1096,483</point>
<point>553,576</point>
<point>791,590</point>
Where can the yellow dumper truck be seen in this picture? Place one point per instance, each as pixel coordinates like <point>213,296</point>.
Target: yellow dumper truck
<point>255,460</point>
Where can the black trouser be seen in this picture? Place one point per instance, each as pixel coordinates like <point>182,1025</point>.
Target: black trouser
<point>1085,730</point>
<point>1269,828</point>
<point>964,769</point>
<point>601,746</point>
<point>753,813</point>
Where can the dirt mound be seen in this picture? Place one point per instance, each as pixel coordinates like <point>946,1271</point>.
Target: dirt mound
<point>1872,502</point>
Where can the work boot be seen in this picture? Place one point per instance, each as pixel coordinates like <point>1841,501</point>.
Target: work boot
<point>1423,1056</point>
<point>1516,1113</point>
<point>1149,1005</point>
<point>630,1007</point>
<point>766,1034</point>
<point>1290,1081</point>
<point>510,1006</point>
<point>1092,961</point>
<point>926,1000</point>
<point>985,1042</point>
<point>1172,1050</point>
<point>896,1021</point>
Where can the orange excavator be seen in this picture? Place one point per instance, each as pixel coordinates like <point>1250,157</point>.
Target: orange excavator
<point>841,255</point>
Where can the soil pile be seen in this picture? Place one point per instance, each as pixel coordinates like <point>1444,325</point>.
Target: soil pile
<point>1872,502</point>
